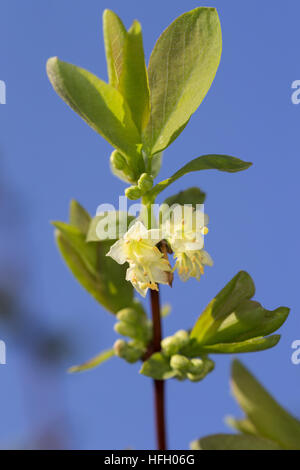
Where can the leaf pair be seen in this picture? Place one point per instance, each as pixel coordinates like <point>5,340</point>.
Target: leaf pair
<point>98,274</point>
<point>160,367</point>
<point>232,323</point>
<point>267,425</point>
<point>129,112</point>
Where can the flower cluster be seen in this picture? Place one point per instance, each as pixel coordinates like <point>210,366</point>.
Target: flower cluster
<point>147,265</point>
<point>183,230</point>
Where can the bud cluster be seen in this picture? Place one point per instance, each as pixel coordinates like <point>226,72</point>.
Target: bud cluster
<point>144,185</point>
<point>194,369</point>
<point>134,324</point>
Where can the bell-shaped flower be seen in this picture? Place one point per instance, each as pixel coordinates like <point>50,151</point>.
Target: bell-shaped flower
<point>147,265</point>
<point>184,229</point>
<point>190,263</point>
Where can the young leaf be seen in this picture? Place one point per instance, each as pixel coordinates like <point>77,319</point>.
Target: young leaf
<point>244,425</point>
<point>134,80</point>
<point>250,345</point>
<point>76,239</point>
<point>192,196</point>
<point>182,67</point>
<point>269,418</point>
<point>79,217</point>
<point>126,65</point>
<point>98,103</point>
<point>233,442</point>
<point>98,274</point>
<point>94,362</point>
<point>232,323</point>
<point>206,162</point>
<point>156,162</point>
<point>240,288</point>
<point>250,320</point>
<point>114,33</point>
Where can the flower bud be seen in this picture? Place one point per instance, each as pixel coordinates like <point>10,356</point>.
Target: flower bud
<point>125,329</point>
<point>204,368</point>
<point>145,182</point>
<point>129,315</point>
<point>133,192</point>
<point>180,363</point>
<point>134,324</point>
<point>120,167</point>
<point>196,366</point>
<point>172,344</point>
<point>128,351</point>
<point>117,160</point>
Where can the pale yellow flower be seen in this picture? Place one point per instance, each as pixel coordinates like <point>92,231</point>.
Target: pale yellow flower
<point>184,230</point>
<point>190,263</point>
<point>147,265</point>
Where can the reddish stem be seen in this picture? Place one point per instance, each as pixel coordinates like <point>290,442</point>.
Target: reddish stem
<point>159,385</point>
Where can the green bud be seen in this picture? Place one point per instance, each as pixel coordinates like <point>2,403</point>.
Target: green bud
<point>196,366</point>
<point>125,329</point>
<point>172,344</point>
<point>182,337</point>
<point>134,324</point>
<point>207,366</point>
<point>130,315</point>
<point>133,192</point>
<point>145,182</point>
<point>128,351</point>
<point>180,363</point>
<point>120,167</point>
<point>169,345</point>
<point>117,160</point>
<point>195,377</point>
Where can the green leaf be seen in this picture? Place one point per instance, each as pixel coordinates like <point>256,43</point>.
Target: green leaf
<point>269,418</point>
<point>158,367</point>
<point>232,323</point>
<point>94,362</point>
<point>240,288</point>
<point>250,345</point>
<point>126,65</point>
<point>156,162</point>
<point>233,442</point>
<point>206,162</point>
<point>98,103</point>
<point>79,217</point>
<point>249,320</point>
<point>134,80</point>
<point>76,239</point>
<point>244,426</point>
<point>113,225</point>
<point>114,33</point>
<point>192,196</point>
<point>101,276</point>
<point>182,67</point>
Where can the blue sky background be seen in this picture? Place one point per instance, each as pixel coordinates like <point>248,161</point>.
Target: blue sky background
<point>49,156</point>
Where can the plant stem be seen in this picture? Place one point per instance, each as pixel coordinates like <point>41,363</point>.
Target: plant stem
<point>159,385</point>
